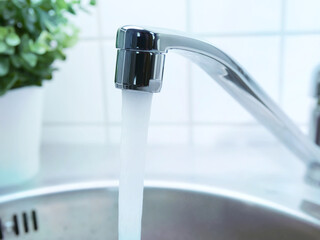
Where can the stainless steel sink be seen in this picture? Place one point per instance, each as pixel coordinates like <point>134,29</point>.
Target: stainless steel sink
<point>171,211</point>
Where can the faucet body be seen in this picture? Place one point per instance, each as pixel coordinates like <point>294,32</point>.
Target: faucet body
<point>140,66</point>
<point>315,117</point>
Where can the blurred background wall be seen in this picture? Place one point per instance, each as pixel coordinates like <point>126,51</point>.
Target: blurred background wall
<point>276,41</point>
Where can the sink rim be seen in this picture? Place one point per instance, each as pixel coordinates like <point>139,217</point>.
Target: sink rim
<point>112,185</point>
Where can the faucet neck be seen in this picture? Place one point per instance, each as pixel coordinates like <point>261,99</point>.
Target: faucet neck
<point>151,44</point>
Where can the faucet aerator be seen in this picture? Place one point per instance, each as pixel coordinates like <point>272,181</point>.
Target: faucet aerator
<point>139,70</point>
<point>139,64</point>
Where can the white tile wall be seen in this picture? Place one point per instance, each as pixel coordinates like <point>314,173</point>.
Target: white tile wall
<point>301,57</point>
<point>89,23</point>
<point>74,134</point>
<point>276,41</point>
<point>76,93</point>
<point>166,104</point>
<point>258,55</point>
<point>164,14</point>
<point>303,15</point>
<point>232,16</point>
<point>211,104</point>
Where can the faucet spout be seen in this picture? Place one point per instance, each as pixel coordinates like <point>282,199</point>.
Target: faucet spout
<point>140,66</point>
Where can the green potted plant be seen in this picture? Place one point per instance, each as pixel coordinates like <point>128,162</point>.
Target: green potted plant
<point>33,35</point>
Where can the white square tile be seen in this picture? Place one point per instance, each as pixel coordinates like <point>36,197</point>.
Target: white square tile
<point>233,149</point>
<point>239,151</point>
<point>164,14</point>
<point>113,98</point>
<point>257,55</point>
<point>169,161</point>
<point>302,57</point>
<point>74,134</point>
<point>302,15</point>
<point>157,135</point>
<point>232,136</point>
<point>87,22</point>
<point>213,104</point>
<point>170,105</point>
<point>75,93</point>
<point>168,135</point>
<point>114,134</point>
<point>232,16</point>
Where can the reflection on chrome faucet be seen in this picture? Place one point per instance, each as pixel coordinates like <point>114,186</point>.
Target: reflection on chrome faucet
<point>140,65</point>
<point>315,118</point>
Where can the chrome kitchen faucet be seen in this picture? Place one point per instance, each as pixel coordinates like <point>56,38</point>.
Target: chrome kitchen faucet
<point>140,66</point>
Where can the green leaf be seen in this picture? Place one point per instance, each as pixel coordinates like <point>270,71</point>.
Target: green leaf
<point>42,16</point>
<point>71,9</point>
<point>36,2</point>
<point>29,19</point>
<point>4,66</point>
<point>19,3</point>
<point>33,35</point>
<point>8,13</point>
<point>50,25</point>
<point>30,58</point>
<point>24,46</point>
<point>15,60</point>
<point>32,17</point>
<point>7,82</point>
<point>12,39</point>
<point>3,46</point>
<point>61,4</point>
<point>3,32</point>
<point>38,47</point>
<point>58,54</point>
<point>2,5</point>
<point>9,50</point>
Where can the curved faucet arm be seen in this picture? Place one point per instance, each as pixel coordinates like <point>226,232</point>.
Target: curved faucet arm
<point>144,50</point>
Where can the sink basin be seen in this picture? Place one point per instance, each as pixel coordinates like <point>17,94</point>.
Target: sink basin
<point>171,211</point>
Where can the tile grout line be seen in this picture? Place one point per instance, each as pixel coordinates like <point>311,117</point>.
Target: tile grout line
<point>100,38</point>
<point>226,34</point>
<point>281,53</point>
<point>189,80</point>
<point>165,124</point>
<point>103,75</point>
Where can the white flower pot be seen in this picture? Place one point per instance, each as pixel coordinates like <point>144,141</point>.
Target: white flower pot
<point>20,130</point>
